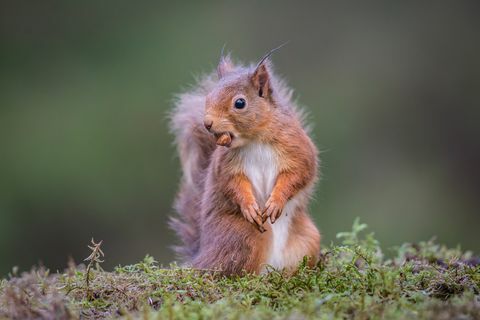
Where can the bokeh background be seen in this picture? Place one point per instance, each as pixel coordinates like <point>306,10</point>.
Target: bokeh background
<point>393,91</point>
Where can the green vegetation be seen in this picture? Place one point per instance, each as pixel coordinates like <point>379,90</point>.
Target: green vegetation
<point>351,280</point>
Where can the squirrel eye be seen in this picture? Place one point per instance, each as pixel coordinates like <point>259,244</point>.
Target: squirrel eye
<point>240,103</point>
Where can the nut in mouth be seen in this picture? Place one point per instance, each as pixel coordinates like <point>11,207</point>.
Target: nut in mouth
<point>224,138</point>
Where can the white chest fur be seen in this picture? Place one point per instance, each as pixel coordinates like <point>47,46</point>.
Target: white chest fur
<point>260,165</point>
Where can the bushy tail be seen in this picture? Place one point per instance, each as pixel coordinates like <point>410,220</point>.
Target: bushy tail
<point>195,147</point>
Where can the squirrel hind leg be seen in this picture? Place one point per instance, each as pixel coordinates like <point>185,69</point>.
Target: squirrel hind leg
<point>242,249</point>
<point>303,241</point>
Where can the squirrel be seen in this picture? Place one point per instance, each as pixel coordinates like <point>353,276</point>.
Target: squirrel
<point>249,169</point>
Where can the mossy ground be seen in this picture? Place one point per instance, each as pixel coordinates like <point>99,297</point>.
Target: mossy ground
<point>351,280</point>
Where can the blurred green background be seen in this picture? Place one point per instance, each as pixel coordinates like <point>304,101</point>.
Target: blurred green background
<point>393,91</point>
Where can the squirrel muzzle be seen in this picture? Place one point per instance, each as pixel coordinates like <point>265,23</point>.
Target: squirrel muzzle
<point>223,138</point>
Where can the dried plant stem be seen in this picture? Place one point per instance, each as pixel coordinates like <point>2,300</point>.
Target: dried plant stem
<point>94,257</point>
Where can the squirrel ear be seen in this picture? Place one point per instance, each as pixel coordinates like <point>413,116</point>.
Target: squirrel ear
<point>224,66</point>
<point>261,79</point>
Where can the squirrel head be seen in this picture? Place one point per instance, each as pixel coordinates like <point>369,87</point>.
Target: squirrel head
<point>240,106</point>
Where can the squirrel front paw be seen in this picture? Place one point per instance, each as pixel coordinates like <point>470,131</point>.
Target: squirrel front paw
<point>273,209</point>
<point>253,214</point>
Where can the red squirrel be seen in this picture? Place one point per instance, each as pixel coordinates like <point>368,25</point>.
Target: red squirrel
<point>249,168</point>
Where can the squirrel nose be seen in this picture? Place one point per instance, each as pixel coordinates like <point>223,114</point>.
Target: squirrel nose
<point>208,124</point>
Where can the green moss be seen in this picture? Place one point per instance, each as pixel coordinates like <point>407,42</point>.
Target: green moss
<point>351,280</point>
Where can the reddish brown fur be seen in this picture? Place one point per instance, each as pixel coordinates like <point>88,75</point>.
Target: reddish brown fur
<point>222,224</point>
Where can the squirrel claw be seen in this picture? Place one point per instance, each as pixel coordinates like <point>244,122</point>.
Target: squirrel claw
<point>253,215</point>
<point>273,210</point>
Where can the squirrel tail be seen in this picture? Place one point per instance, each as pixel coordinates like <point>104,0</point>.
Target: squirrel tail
<point>195,146</point>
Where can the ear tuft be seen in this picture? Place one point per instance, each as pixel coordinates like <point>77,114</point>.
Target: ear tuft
<point>225,66</point>
<point>261,79</point>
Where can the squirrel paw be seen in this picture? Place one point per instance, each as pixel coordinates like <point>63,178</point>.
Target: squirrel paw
<point>253,215</point>
<point>273,209</point>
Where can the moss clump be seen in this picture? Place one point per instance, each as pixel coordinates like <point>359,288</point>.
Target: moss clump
<point>351,280</point>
